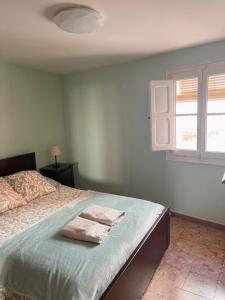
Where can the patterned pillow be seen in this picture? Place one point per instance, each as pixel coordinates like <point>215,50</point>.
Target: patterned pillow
<point>30,184</point>
<point>9,199</point>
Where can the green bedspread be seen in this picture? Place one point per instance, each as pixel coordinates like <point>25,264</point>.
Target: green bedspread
<point>40,263</point>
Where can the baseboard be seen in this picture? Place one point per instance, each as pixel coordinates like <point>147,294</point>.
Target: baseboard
<point>199,221</point>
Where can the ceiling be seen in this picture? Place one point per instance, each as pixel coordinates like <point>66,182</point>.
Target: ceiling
<point>132,29</point>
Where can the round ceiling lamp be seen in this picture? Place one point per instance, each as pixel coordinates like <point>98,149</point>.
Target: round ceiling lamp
<point>79,19</point>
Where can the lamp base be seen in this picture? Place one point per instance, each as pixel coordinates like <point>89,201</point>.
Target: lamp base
<point>56,165</point>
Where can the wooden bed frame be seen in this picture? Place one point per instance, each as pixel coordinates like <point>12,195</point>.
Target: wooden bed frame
<point>134,277</point>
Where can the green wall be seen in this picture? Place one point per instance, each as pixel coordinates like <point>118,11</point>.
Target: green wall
<point>31,112</point>
<point>108,134</point>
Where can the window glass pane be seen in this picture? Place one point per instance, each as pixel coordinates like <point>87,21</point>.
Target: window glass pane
<point>215,139</point>
<point>186,96</point>
<point>216,94</point>
<point>186,107</point>
<point>186,132</point>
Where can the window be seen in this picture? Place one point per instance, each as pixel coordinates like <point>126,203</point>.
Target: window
<point>188,114</point>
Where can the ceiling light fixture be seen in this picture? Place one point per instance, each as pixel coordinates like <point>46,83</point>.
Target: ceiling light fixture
<point>79,19</point>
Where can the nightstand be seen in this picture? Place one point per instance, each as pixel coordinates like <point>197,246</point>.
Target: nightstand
<point>63,174</point>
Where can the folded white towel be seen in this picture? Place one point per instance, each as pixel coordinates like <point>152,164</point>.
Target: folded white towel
<point>104,215</point>
<point>85,230</point>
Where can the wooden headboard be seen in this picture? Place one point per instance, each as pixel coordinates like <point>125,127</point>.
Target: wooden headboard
<point>17,163</point>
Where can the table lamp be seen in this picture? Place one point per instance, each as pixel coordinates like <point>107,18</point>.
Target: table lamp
<point>55,151</point>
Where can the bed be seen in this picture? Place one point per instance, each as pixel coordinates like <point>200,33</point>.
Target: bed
<point>133,276</point>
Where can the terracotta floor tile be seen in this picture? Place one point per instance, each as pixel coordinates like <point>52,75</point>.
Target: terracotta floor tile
<point>194,227</point>
<point>193,267</point>
<point>208,252</point>
<point>170,294</point>
<point>220,294</point>
<point>194,232</point>
<point>194,236</point>
<point>218,242</point>
<point>176,228</point>
<point>173,241</point>
<point>154,294</point>
<point>204,286</point>
<point>205,235</point>
<point>222,279</point>
<point>220,290</point>
<point>178,259</point>
<point>177,221</point>
<point>214,237</point>
<point>170,276</point>
<point>223,267</point>
<point>176,232</point>
<point>203,266</point>
<point>216,232</point>
<point>183,295</point>
<point>184,245</point>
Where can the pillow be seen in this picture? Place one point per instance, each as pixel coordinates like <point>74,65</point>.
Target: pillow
<point>30,184</point>
<point>9,199</point>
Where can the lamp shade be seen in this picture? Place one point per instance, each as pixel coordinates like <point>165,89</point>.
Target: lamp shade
<point>55,151</point>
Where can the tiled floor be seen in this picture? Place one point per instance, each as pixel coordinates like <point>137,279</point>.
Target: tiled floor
<point>193,267</point>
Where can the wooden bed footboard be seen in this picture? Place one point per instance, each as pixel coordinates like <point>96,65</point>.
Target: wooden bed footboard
<point>135,276</point>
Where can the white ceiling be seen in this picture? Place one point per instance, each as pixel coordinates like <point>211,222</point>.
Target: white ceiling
<point>133,28</point>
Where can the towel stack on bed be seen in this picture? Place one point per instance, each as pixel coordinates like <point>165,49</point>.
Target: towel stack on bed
<point>93,224</point>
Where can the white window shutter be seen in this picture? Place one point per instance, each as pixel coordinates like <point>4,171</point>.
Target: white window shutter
<point>162,116</point>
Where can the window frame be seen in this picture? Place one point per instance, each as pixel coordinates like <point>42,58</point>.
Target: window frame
<point>200,155</point>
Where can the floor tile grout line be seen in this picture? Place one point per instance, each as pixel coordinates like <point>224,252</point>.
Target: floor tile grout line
<point>185,280</point>
<point>197,294</point>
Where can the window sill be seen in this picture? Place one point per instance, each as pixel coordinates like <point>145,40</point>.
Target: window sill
<point>172,156</point>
